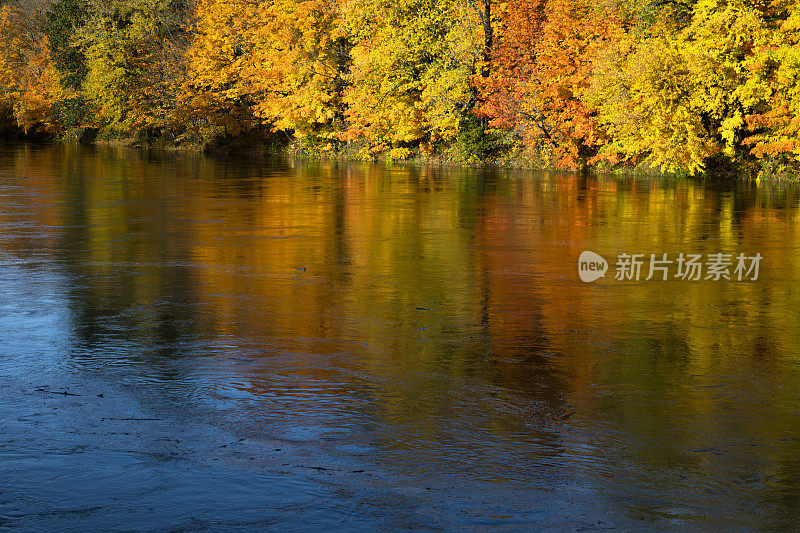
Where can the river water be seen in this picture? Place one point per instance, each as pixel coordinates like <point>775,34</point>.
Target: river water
<point>190,343</point>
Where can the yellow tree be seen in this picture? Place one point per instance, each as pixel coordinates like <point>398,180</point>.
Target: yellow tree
<point>676,97</point>
<point>295,75</point>
<point>412,65</point>
<point>215,98</point>
<point>776,127</point>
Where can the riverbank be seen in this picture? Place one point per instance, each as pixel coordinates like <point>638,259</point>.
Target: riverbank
<point>518,159</point>
<point>458,154</point>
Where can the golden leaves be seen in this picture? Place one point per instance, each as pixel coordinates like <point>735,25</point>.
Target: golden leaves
<point>29,82</point>
<point>581,81</point>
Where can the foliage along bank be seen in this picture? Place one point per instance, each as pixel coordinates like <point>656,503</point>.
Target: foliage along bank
<point>679,85</point>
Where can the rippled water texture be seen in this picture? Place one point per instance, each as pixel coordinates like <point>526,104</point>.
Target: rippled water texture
<point>196,343</point>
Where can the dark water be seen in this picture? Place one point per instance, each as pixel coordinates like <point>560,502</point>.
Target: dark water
<point>251,344</point>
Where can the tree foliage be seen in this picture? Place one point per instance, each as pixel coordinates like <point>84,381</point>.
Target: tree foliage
<point>296,73</point>
<point>29,81</point>
<point>542,69</point>
<point>412,63</point>
<point>684,85</point>
<point>775,82</point>
<point>134,56</point>
<point>215,100</point>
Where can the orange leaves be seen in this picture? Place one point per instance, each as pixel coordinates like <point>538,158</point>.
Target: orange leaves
<point>576,81</point>
<point>29,82</point>
<point>775,77</point>
<point>779,131</point>
<point>542,64</point>
<point>279,63</point>
<point>215,99</point>
<point>39,88</point>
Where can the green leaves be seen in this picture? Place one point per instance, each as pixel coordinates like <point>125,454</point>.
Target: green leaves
<point>674,85</point>
<point>62,21</point>
<point>134,52</point>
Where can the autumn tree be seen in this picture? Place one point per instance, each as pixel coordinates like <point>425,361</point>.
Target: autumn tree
<point>134,51</point>
<point>215,97</point>
<point>541,65</point>
<point>677,97</point>
<point>775,125</point>
<point>296,74</point>
<point>29,82</point>
<point>412,66</point>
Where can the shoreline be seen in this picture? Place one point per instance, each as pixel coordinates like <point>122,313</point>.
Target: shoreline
<point>292,149</point>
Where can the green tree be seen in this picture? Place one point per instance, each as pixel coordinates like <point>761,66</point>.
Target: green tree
<point>134,51</point>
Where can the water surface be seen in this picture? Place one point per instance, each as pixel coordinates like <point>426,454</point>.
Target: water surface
<point>220,344</point>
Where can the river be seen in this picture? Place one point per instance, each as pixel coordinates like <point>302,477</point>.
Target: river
<point>197,343</point>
